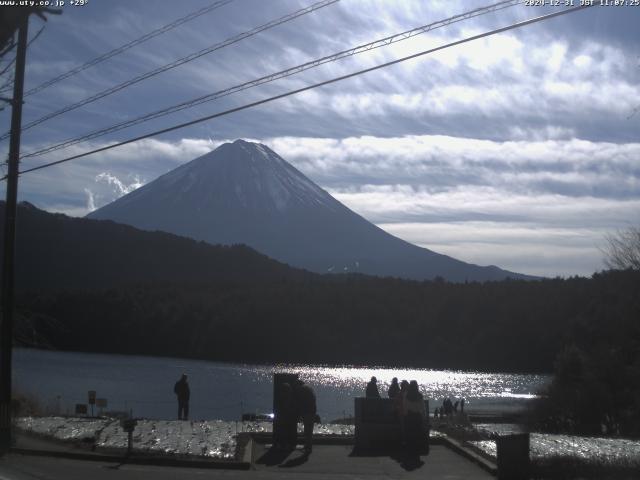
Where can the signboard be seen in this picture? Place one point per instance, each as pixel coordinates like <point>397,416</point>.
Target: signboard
<point>81,409</point>
<point>101,402</point>
<point>92,397</point>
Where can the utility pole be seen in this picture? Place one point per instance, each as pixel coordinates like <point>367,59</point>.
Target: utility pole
<point>8,270</point>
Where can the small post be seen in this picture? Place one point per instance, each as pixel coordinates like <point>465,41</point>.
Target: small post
<point>101,403</point>
<point>129,425</point>
<point>513,456</point>
<point>92,400</point>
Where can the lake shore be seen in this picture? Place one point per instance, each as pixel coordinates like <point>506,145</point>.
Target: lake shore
<point>217,439</point>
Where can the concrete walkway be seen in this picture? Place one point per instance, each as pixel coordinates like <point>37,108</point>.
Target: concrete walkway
<point>327,461</point>
<point>339,461</point>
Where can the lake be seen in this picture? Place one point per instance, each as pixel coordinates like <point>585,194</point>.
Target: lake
<point>144,385</point>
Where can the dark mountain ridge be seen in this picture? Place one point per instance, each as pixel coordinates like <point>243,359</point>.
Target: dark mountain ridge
<point>57,251</point>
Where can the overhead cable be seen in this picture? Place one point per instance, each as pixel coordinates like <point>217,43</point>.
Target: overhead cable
<point>275,76</point>
<point>309,87</point>
<point>177,63</point>
<point>128,45</point>
<point>13,60</point>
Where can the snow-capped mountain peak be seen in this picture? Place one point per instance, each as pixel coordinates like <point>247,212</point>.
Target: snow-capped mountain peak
<point>244,192</point>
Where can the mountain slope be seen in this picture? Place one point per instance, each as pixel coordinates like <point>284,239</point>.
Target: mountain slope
<point>56,251</point>
<point>245,193</point>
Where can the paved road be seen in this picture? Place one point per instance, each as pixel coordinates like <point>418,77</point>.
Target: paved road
<point>326,462</point>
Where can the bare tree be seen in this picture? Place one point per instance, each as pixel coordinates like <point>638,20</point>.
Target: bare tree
<point>623,249</point>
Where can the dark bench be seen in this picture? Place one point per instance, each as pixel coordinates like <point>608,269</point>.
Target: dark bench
<point>377,426</point>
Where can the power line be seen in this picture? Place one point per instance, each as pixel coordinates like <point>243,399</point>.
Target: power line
<point>276,76</point>
<point>12,61</point>
<point>309,87</point>
<point>127,46</point>
<point>177,63</point>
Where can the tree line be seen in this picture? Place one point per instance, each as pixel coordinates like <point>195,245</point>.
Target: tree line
<point>515,326</point>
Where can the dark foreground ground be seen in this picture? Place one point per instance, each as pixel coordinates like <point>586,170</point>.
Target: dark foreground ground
<point>326,461</point>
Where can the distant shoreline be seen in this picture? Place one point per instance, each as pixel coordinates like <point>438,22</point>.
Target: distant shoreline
<point>293,366</point>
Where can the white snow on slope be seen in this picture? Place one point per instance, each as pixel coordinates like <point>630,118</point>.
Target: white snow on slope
<point>210,439</point>
<point>611,451</point>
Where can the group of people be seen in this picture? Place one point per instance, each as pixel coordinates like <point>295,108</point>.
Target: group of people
<point>409,408</point>
<point>298,402</point>
<point>449,408</point>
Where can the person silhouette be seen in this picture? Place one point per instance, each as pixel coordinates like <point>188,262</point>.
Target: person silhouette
<point>305,402</point>
<point>372,389</point>
<point>415,415</point>
<point>394,388</point>
<point>181,389</point>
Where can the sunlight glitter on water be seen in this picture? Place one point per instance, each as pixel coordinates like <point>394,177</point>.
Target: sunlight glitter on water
<point>224,391</point>
<point>434,383</point>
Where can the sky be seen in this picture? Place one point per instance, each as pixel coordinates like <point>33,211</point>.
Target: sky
<point>520,149</point>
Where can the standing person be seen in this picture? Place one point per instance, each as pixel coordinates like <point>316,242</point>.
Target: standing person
<point>462,406</point>
<point>394,388</point>
<point>372,389</point>
<point>305,401</point>
<point>448,407</point>
<point>415,414</point>
<point>398,407</point>
<point>181,389</point>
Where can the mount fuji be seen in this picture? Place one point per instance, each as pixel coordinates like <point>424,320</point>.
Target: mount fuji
<point>245,193</point>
